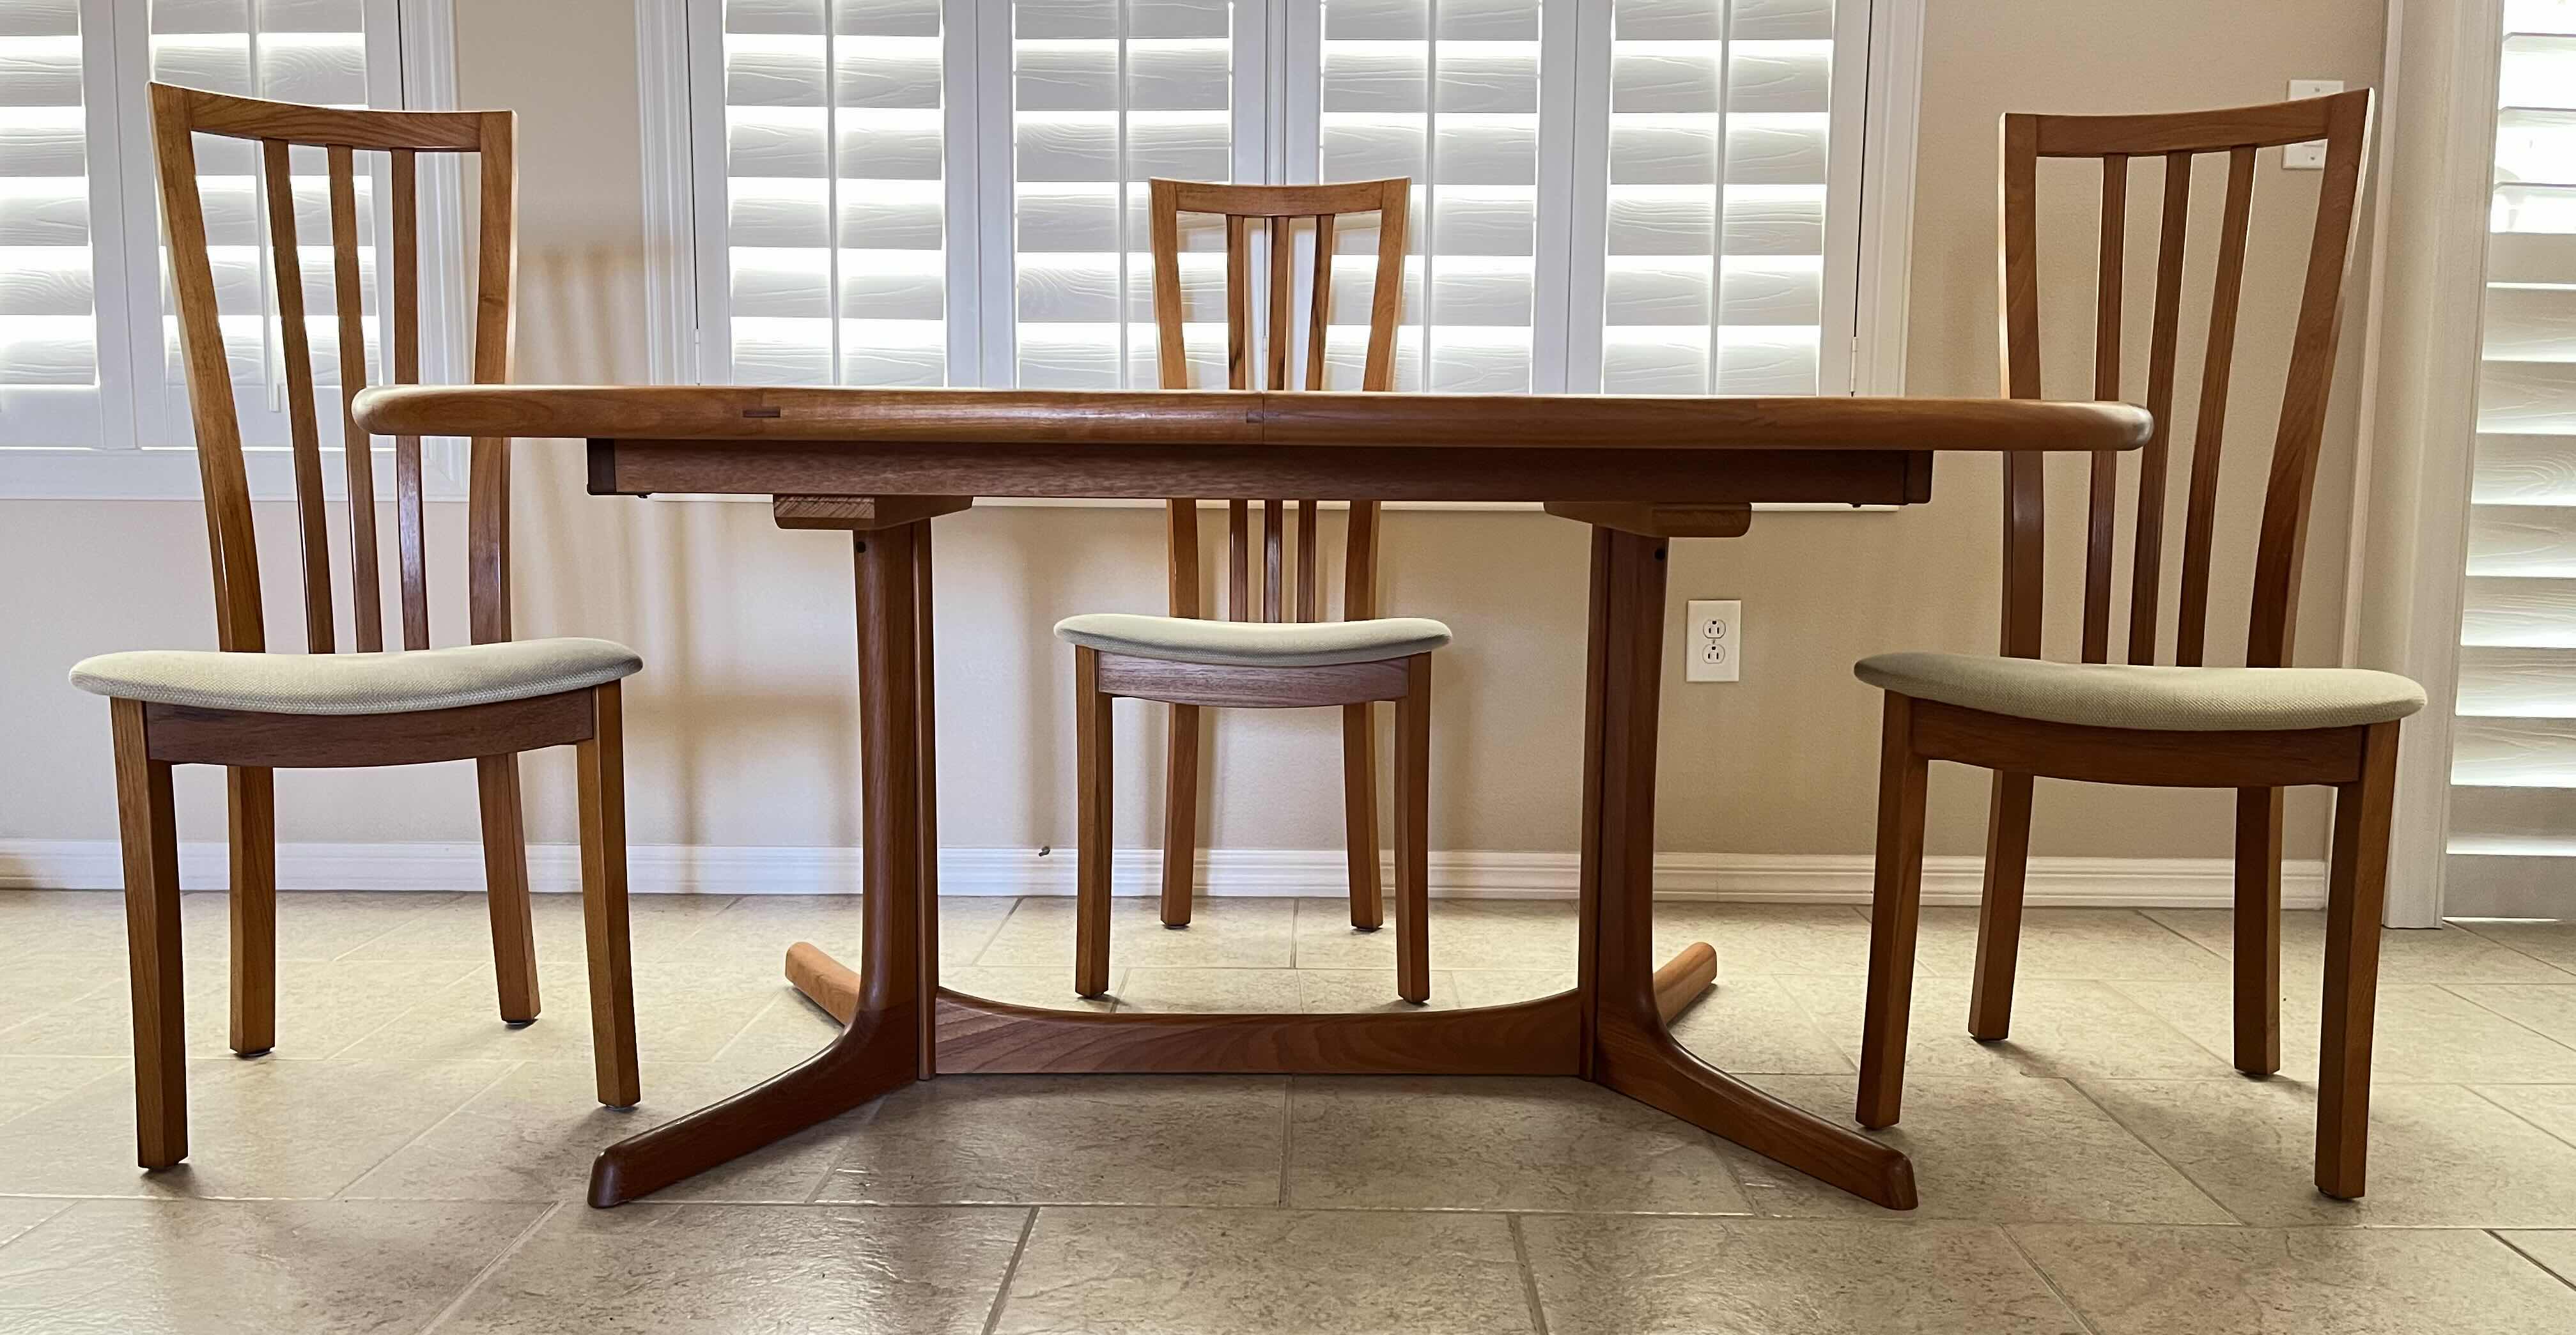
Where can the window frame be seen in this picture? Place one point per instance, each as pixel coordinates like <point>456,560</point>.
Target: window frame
<point>141,452</point>
<point>681,58</point>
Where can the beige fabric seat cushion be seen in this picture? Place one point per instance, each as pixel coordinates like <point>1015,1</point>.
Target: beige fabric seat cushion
<point>1254,643</point>
<point>2159,699</point>
<point>422,679</point>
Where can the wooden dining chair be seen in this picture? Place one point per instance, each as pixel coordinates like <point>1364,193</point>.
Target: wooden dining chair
<point>1278,652</point>
<point>253,711</point>
<point>2255,728</point>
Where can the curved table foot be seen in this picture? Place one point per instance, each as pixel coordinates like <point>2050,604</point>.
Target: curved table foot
<point>1653,1069</point>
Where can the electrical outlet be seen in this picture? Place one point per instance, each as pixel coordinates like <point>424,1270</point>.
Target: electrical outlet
<point>1715,645</point>
<point>2310,156</point>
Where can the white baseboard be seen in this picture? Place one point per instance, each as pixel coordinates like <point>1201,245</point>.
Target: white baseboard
<point>1780,878</point>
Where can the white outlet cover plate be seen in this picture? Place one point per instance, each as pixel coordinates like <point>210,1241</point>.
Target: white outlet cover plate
<point>1713,640</point>
<point>2310,156</point>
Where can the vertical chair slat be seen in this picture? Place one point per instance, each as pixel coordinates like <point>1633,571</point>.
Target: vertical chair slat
<point>1281,279</point>
<point>2200,518</point>
<point>1308,595</point>
<point>487,522</point>
<point>2100,517</point>
<point>1320,317</point>
<point>1238,319</point>
<point>1238,525</point>
<point>1386,298</point>
<point>312,520</point>
<point>1274,568</point>
<point>210,381</point>
<point>357,455</point>
<point>1171,358</point>
<point>2025,495</point>
<point>2146,568</point>
<point>411,537</point>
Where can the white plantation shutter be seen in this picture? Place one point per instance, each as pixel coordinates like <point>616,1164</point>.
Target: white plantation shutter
<point>1571,159</point>
<point>89,352</point>
<point>833,203</point>
<point>2514,761</point>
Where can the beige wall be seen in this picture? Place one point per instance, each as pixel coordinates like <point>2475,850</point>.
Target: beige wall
<point>741,724</point>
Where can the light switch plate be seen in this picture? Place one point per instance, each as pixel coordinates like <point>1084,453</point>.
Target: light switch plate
<point>2310,156</point>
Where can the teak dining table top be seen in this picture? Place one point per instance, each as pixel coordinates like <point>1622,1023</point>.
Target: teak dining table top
<point>885,463</point>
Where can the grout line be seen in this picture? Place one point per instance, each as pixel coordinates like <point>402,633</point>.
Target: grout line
<point>2048,1280</point>
<point>458,1303</point>
<point>2476,1093</point>
<point>508,1069</point>
<point>50,1216</point>
<point>452,899</point>
<point>1010,1272</point>
<point>2152,1148</point>
<point>2505,945</point>
<point>2516,1248</point>
<point>1529,1277</point>
<point>2176,933</point>
<point>2453,990</point>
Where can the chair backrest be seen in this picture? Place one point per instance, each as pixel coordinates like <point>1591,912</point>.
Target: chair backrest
<point>178,115</point>
<point>2342,121</point>
<point>1282,206</point>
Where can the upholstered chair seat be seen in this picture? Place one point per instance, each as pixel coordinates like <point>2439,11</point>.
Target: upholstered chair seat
<point>1254,643</point>
<point>2156,699</point>
<point>401,683</point>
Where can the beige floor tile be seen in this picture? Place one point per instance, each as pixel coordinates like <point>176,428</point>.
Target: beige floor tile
<point>2551,942</point>
<point>1501,987</point>
<point>36,985</point>
<point>1767,938</point>
<point>656,925</point>
<point>2550,1010</point>
<point>1046,986</point>
<point>212,1267</point>
<point>1265,1272</point>
<point>2447,954</point>
<point>758,929</point>
<point>322,1008</point>
<point>1634,1276</point>
<point>20,1213</point>
<point>1044,1140</point>
<point>2552,1108</point>
<point>712,1268</point>
<point>787,1031</point>
<point>1223,933</point>
<point>29,1083</point>
<point>1997,1151</point>
<point>1495,1143</point>
<point>2439,1154</point>
<point>2069,943</point>
<point>533,1134</point>
<point>256,1128</point>
<point>1465,934</point>
<point>2555,1250</point>
<point>2130,1280</point>
<point>1752,1024</point>
<point>1210,991</point>
<point>1349,991</point>
<point>2422,1034</point>
<point>2061,1027</point>
<point>684,1012</point>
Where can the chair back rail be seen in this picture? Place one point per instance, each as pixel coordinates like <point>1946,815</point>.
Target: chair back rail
<point>2342,121</point>
<point>1279,208</point>
<point>180,114</point>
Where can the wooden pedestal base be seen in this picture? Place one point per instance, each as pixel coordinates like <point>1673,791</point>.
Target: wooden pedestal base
<point>902,1026</point>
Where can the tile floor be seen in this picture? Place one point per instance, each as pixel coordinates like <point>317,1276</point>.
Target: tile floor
<point>404,1162</point>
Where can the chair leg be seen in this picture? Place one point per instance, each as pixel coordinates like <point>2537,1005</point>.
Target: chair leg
<point>1999,911</point>
<point>2258,930</point>
<point>1180,816</point>
<point>252,796</point>
<point>1896,899</point>
<point>1413,833</point>
<point>505,885</point>
<point>1092,834</point>
<point>601,765</point>
<point>2356,884</point>
<point>149,830</point>
<point>1359,814</point>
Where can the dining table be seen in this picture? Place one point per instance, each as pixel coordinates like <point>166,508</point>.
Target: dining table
<point>886,464</point>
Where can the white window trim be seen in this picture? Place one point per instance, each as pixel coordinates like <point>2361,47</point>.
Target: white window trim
<point>425,56</point>
<point>677,251</point>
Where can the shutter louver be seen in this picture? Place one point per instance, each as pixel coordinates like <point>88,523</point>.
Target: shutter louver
<point>2513,804</point>
<point>836,209</point>
<point>49,365</point>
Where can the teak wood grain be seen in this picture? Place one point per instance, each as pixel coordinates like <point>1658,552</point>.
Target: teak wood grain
<point>150,738</point>
<point>2258,764</point>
